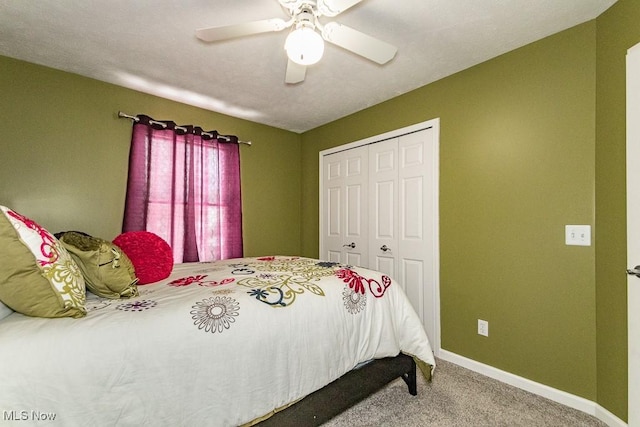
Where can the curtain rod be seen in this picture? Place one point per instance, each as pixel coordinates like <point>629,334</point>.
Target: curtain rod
<point>122,115</point>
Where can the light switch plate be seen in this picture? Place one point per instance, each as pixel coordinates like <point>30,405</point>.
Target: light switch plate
<point>577,235</point>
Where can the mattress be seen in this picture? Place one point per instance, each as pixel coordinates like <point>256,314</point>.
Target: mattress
<point>217,344</point>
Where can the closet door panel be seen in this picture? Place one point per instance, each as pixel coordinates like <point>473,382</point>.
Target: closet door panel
<point>383,206</point>
<point>412,209</point>
<point>384,221</point>
<point>334,226</point>
<point>355,238</point>
<point>412,218</point>
<point>333,256</point>
<point>386,265</point>
<point>333,183</point>
<point>354,211</point>
<point>344,198</point>
<point>353,258</point>
<point>412,273</point>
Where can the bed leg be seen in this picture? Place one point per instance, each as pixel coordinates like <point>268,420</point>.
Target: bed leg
<point>411,380</point>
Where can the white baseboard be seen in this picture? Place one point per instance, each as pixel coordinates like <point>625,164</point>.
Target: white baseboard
<point>551,393</point>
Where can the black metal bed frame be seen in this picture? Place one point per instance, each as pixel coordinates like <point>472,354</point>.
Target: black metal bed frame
<point>351,388</point>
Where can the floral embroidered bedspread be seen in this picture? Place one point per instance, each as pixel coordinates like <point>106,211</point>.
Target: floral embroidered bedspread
<point>216,344</point>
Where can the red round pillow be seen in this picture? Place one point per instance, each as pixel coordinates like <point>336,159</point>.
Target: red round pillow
<point>151,256</point>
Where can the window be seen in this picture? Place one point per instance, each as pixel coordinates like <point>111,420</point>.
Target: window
<point>184,185</point>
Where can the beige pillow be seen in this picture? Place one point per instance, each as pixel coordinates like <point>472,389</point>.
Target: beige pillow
<point>38,277</point>
<point>107,271</point>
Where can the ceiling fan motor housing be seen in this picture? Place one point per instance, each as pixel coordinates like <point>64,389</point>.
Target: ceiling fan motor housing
<point>325,7</point>
<point>304,45</point>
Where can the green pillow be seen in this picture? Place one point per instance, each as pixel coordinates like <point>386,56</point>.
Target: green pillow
<point>107,271</point>
<point>38,277</point>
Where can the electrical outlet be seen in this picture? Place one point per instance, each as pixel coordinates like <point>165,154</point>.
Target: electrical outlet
<point>483,328</point>
<point>577,235</point>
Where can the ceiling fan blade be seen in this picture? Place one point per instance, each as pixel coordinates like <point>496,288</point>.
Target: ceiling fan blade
<point>334,7</point>
<point>362,44</point>
<point>295,73</point>
<point>215,34</point>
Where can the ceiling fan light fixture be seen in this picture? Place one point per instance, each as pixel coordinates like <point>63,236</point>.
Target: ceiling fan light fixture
<point>304,46</point>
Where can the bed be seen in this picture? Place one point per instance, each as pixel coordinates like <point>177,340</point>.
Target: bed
<point>235,342</point>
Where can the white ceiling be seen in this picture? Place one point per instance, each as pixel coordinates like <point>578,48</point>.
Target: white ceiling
<point>150,46</point>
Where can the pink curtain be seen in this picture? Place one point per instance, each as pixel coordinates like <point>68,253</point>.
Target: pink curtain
<point>184,185</point>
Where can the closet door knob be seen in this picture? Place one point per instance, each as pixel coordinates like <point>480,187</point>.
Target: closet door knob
<point>384,248</point>
<point>352,245</point>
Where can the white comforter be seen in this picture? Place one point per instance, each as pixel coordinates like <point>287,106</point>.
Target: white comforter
<point>215,344</point>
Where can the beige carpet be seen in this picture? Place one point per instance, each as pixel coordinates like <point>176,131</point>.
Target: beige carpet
<point>460,397</point>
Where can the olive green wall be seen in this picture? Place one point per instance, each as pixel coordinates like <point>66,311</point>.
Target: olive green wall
<point>64,156</point>
<point>618,29</point>
<point>517,163</point>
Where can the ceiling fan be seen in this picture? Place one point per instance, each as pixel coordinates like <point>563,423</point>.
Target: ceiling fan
<point>305,43</point>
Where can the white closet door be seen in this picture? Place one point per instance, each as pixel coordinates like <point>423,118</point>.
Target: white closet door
<point>383,207</point>
<point>402,200</point>
<point>633,230</point>
<point>384,191</point>
<point>416,203</point>
<point>345,210</point>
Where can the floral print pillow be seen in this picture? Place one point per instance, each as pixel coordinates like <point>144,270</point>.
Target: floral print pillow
<point>38,277</point>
